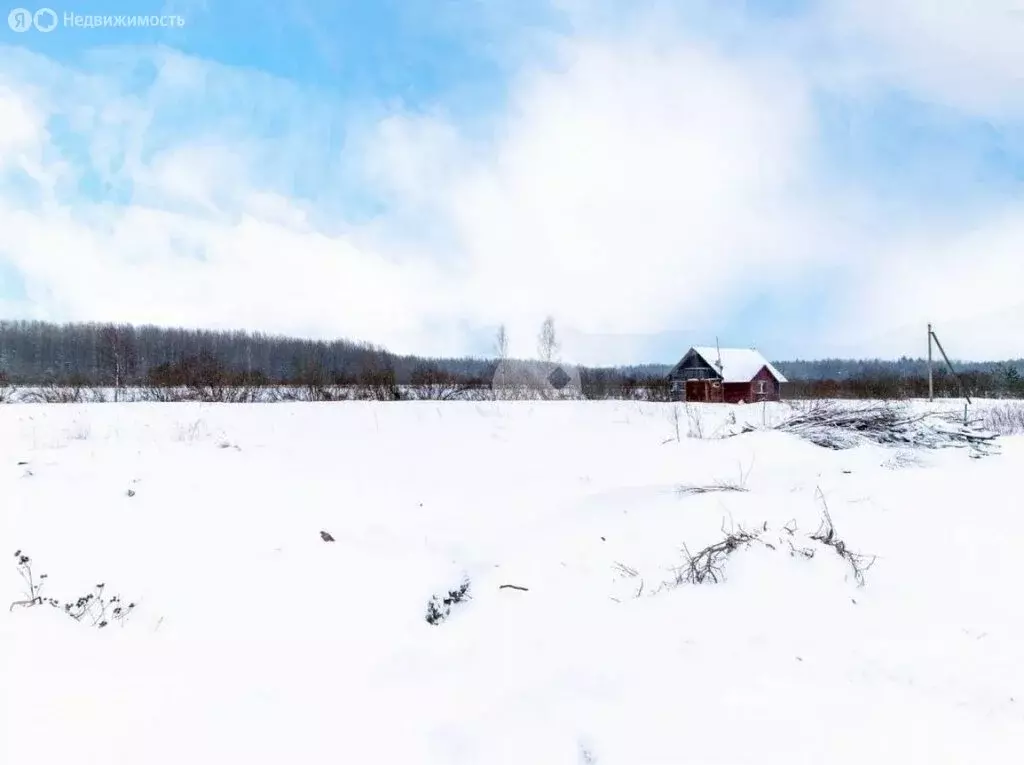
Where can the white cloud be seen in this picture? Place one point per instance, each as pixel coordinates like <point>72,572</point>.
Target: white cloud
<point>965,54</point>
<point>19,124</point>
<point>629,189</point>
<point>633,185</point>
<point>675,163</point>
<point>967,280</point>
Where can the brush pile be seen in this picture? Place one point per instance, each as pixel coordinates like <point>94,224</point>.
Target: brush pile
<point>846,426</point>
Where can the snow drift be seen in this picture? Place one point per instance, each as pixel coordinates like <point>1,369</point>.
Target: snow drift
<point>579,638</point>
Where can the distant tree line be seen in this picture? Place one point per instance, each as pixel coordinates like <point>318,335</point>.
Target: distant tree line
<point>122,355</point>
<point>36,353</point>
<point>1004,381</point>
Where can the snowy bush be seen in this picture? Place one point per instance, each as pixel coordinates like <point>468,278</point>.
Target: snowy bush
<point>440,608</point>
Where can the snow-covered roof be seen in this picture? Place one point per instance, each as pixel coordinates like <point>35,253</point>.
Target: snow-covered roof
<point>739,365</point>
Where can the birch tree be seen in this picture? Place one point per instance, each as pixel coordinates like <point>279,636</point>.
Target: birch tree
<point>501,343</point>
<point>547,340</point>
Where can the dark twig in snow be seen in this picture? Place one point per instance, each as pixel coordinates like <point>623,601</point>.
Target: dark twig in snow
<point>720,486</point>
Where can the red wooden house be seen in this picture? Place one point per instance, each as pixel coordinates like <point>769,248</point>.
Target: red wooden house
<point>725,375</point>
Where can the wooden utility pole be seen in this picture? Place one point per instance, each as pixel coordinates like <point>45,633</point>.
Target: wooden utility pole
<point>931,384</point>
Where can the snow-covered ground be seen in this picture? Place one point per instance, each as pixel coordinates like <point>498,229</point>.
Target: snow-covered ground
<point>254,641</point>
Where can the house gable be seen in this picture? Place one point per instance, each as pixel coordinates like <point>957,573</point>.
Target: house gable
<point>694,366</point>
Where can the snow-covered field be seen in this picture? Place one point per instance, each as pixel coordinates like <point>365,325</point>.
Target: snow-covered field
<point>254,641</point>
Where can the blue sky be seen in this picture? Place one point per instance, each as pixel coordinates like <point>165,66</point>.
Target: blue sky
<point>816,177</point>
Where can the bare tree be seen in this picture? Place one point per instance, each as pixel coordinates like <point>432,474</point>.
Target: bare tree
<point>547,340</point>
<point>501,343</point>
<point>117,354</point>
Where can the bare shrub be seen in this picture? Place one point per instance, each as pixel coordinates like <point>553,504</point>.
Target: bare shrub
<point>35,584</point>
<point>190,432</point>
<point>708,565</point>
<point>98,609</point>
<point>378,383</point>
<point>203,378</point>
<point>6,389</point>
<point>95,608</point>
<point>431,383</point>
<point>158,394</point>
<point>75,390</point>
<point>826,535</point>
<point>675,420</point>
<point>80,431</point>
<point>790,530</point>
<point>695,421</point>
<point>315,381</point>
<point>1004,419</point>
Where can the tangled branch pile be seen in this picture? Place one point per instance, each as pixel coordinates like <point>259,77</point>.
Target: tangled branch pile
<point>844,427</point>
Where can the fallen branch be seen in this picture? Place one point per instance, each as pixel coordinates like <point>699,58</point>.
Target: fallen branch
<point>514,587</point>
<point>26,603</point>
<point>720,486</point>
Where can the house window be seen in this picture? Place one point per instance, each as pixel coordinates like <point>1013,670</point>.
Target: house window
<point>761,386</point>
<point>696,373</point>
